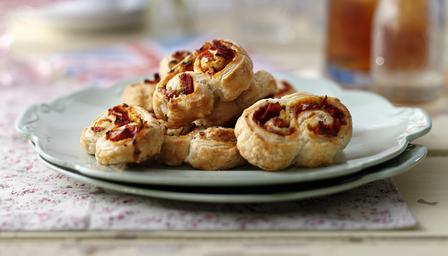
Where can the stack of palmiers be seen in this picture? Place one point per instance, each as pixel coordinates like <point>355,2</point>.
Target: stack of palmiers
<point>208,109</point>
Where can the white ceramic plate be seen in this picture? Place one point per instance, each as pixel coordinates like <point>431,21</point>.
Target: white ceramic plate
<point>380,132</point>
<point>398,165</point>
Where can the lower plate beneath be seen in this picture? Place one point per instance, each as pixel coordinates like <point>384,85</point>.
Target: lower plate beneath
<point>260,194</point>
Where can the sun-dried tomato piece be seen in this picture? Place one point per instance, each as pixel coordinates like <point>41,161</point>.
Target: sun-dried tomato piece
<point>155,80</point>
<point>266,112</point>
<point>97,129</point>
<point>121,114</point>
<point>217,54</point>
<point>122,133</point>
<point>180,55</point>
<point>206,54</point>
<point>186,82</point>
<point>269,118</point>
<point>222,50</point>
<point>338,116</point>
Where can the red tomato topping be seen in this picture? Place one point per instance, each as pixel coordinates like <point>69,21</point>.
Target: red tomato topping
<point>129,131</point>
<point>155,80</point>
<point>268,111</point>
<point>322,128</point>
<point>121,114</point>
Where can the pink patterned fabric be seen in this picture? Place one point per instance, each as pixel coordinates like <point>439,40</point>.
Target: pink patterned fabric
<point>33,197</point>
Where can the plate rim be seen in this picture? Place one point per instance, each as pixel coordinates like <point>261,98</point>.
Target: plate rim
<point>30,116</point>
<point>417,155</point>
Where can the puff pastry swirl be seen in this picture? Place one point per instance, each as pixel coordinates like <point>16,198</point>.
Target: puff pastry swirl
<point>123,134</point>
<point>213,148</point>
<point>300,129</point>
<point>228,67</point>
<point>183,98</point>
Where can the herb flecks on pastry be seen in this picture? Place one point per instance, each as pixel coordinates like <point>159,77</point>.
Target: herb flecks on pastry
<point>123,134</point>
<point>299,129</point>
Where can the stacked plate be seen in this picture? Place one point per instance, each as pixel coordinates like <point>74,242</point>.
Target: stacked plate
<point>379,149</point>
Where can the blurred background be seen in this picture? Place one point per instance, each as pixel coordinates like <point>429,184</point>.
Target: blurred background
<point>394,47</point>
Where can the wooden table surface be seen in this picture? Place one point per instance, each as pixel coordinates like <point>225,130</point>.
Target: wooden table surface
<point>424,188</point>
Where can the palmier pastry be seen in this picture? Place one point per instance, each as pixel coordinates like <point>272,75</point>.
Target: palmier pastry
<point>228,67</point>
<point>124,134</point>
<point>183,98</point>
<point>140,94</point>
<point>283,88</point>
<point>213,148</point>
<point>300,129</point>
<point>168,62</point>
